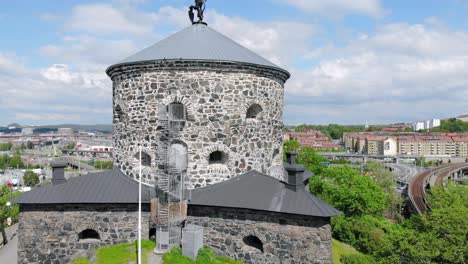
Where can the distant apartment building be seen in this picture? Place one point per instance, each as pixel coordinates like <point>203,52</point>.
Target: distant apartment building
<point>426,125</point>
<point>374,145</point>
<point>312,138</point>
<point>27,131</point>
<point>66,131</point>
<point>389,144</point>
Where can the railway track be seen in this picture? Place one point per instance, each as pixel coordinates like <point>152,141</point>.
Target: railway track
<point>417,187</point>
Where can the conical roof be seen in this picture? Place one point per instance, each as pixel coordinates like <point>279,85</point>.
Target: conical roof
<point>198,43</point>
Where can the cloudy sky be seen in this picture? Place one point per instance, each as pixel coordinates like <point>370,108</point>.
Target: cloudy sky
<point>351,61</point>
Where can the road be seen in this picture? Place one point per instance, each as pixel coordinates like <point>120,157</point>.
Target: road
<point>8,253</point>
<point>404,172</point>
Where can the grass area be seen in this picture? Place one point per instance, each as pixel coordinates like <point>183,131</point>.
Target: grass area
<point>340,250</point>
<point>120,254</point>
<point>205,256</point>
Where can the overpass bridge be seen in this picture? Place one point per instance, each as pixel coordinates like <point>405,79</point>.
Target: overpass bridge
<point>81,152</point>
<point>338,155</point>
<point>73,163</point>
<point>436,176</point>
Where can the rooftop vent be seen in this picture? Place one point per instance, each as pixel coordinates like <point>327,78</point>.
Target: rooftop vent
<point>58,172</point>
<point>295,172</point>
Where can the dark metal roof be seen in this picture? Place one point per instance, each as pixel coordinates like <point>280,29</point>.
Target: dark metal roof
<point>252,190</point>
<point>257,191</point>
<point>198,43</point>
<point>96,188</point>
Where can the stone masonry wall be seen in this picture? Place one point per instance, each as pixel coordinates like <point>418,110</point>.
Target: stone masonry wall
<point>216,97</point>
<point>286,238</point>
<point>49,234</point>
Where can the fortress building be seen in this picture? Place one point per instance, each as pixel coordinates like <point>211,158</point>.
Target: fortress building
<point>229,99</point>
<point>207,115</point>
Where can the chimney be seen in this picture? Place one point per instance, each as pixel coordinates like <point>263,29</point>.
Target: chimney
<point>58,172</point>
<point>295,172</point>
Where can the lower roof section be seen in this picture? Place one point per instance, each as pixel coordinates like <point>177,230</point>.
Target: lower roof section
<point>252,190</point>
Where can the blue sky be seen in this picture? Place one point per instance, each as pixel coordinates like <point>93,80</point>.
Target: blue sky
<point>352,61</point>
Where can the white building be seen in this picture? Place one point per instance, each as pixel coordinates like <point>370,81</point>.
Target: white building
<point>66,131</point>
<point>426,125</point>
<point>390,147</point>
<point>435,123</point>
<point>419,125</point>
<point>27,131</point>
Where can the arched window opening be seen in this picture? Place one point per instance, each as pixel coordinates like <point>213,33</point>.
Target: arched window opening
<point>89,234</point>
<point>217,157</point>
<point>118,114</point>
<point>176,111</point>
<point>145,159</point>
<point>253,241</point>
<point>254,111</point>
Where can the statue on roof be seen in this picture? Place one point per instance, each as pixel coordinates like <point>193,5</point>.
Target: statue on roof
<point>200,7</point>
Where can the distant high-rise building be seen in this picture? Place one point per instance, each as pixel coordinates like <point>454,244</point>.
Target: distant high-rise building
<point>426,124</point>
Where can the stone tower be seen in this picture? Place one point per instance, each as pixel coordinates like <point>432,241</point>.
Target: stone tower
<point>229,98</point>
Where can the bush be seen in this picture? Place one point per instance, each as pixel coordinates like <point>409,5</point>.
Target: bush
<point>30,179</point>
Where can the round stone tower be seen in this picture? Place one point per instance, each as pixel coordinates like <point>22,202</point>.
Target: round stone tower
<point>227,100</point>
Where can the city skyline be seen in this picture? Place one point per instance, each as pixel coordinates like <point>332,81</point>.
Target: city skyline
<point>376,61</point>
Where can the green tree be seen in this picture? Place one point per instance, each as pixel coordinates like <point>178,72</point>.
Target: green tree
<point>70,145</point>
<point>5,146</point>
<point>5,195</point>
<point>348,191</point>
<point>16,161</point>
<point>30,179</point>
<point>385,180</point>
<point>29,145</point>
<point>438,236</point>
<point>310,158</point>
<point>291,145</point>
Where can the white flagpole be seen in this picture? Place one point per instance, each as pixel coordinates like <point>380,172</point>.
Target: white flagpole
<point>139,215</point>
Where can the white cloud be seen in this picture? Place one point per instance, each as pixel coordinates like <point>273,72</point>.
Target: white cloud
<point>9,65</point>
<point>266,39</point>
<point>401,71</point>
<point>105,19</point>
<point>401,66</point>
<point>87,49</point>
<point>339,7</point>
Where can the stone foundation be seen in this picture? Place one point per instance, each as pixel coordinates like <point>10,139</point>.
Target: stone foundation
<point>286,238</point>
<point>49,234</point>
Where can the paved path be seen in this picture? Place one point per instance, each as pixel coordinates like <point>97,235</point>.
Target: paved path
<point>8,252</point>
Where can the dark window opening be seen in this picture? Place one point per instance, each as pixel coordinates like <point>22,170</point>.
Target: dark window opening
<point>254,242</point>
<point>254,111</point>
<point>145,159</point>
<point>176,111</point>
<point>88,234</point>
<point>217,157</point>
<point>152,233</point>
<point>118,115</point>
<point>275,152</point>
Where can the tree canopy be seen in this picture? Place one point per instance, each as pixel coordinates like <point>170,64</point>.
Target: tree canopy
<point>30,179</point>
